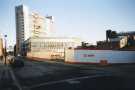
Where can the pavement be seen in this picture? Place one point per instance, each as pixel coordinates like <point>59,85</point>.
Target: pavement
<point>52,75</point>
<point>6,81</point>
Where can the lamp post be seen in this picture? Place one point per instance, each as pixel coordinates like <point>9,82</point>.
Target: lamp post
<point>5,51</point>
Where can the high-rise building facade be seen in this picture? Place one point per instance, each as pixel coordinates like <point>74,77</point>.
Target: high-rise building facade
<point>22,26</point>
<point>49,21</point>
<point>40,26</point>
<point>30,24</point>
<point>37,25</point>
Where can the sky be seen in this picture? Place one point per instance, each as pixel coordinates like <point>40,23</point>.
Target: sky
<point>86,19</point>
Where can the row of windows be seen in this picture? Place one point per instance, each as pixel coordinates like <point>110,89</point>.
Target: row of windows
<point>52,44</point>
<point>49,49</point>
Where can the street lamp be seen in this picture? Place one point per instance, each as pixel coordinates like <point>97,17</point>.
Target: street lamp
<point>5,51</point>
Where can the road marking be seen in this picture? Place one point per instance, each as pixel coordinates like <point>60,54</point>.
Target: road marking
<point>14,79</point>
<point>66,80</point>
<point>73,81</point>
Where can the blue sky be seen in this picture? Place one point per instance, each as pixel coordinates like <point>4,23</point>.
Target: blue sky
<point>87,19</point>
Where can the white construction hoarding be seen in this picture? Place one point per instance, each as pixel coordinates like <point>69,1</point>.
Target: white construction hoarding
<point>95,56</point>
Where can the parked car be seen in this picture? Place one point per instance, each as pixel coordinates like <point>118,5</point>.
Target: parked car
<point>17,63</point>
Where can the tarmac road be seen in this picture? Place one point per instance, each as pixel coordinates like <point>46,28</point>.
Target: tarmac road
<point>51,75</point>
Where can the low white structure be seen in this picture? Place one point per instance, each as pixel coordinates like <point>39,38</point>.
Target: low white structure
<point>49,47</point>
<point>96,56</point>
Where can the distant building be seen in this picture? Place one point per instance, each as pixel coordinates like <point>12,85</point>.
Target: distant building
<point>128,36</point>
<point>103,45</point>
<point>30,24</point>
<point>119,42</point>
<point>115,43</point>
<point>48,47</point>
<point>114,40</point>
<point>10,48</point>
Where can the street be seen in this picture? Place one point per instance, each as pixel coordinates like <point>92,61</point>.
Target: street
<point>50,75</point>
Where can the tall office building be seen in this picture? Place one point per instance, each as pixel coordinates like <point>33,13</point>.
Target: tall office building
<point>40,26</point>
<point>49,21</point>
<point>22,26</point>
<point>37,25</point>
<point>30,24</point>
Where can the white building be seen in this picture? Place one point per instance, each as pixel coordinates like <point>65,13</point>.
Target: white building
<point>40,26</point>
<point>49,20</point>
<point>30,24</point>
<point>48,47</point>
